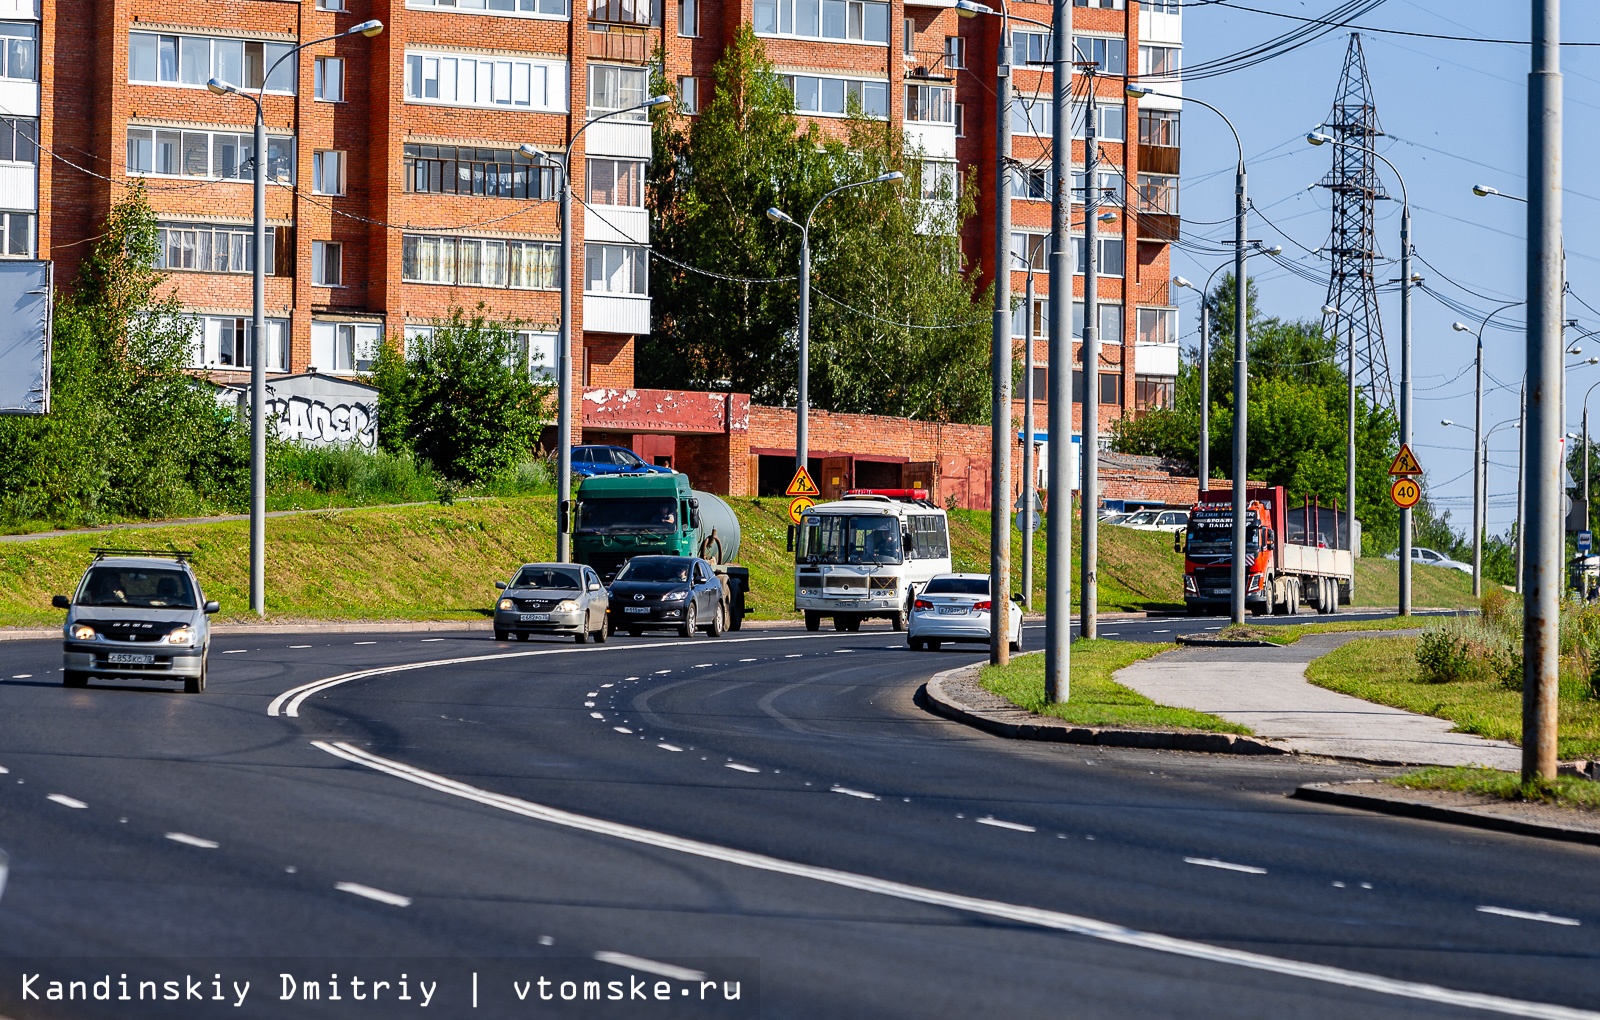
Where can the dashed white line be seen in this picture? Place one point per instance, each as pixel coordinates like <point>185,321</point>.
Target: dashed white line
<point>704,665</point>
<point>627,678</point>
<point>428,639</point>
<point>604,686</point>
<point>999,824</point>
<point>1211,862</point>
<point>21,676</point>
<point>853,793</point>
<point>1213,628</point>
<point>299,646</point>
<point>622,729</point>
<point>597,715</point>
<point>1110,633</point>
<point>65,801</point>
<point>662,672</point>
<point>747,660</point>
<point>669,747</point>
<point>188,840</point>
<point>843,651</point>
<point>4,771</point>
<point>588,704</point>
<point>639,963</point>
<point>366,642</point>
<point>234,651</point>
<point>1161,632</point>
<point>742,768</point>
<point>393,899</point>
<point>1529,915</point>
<point>592,694</point>
<point>1051,919</point>
<point>794,656</point>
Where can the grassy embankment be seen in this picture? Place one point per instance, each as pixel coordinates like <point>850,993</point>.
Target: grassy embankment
<point>1096,699</point>
<point>439,562</point>
<point>1385,670</point>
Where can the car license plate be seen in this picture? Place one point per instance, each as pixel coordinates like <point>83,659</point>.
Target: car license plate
<point>131,659</point>
<point>535,617</point>
<point>635,609</point>
<point>952,610</point>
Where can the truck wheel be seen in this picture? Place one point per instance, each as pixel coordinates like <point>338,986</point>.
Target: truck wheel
<point>502,635</point>
<point>74,678</point>
<point>933,646</point>
<point>813,621</point>
<point>718,620</point>
<point>898,620</point>
<point>735,619</point>
<point>690,624</point>
<point>1333,596</point>
<point>841,622</point>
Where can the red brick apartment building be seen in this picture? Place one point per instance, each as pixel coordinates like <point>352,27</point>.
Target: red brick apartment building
<point>396,190</point>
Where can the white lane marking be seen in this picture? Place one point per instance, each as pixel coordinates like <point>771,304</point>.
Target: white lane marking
<point>1110,633</point>
<point>853,793</point>
<point>21,676</point>
<point>592,694</point>
<point>299,646</point>
<point>1528,915</point>
<point>588,704</point>
<point>188,840</point>
<point>393,899</point>
<point>704,665</point>
<point>597,715</point>
<point>234,651</point>
<point>366,642</point>
<point>628,678</point>
<point>742,768</point>
<point>1161,632</point>
<point>428,639</point>
<point>4,771</point>
<point>1052,919</point>
<point>997,823</point>
<point>604,686</point>
<point>794,656</point>
<point>669,747</point>
<point>622,729</point>
<point>1213,628</point>
<point>843,651</point>
<point>753,660</point>
<point>639,963</point>
<point>65,801</point>
<point>662,672</point>
<point>1212,862</point>
<point>288,703</point>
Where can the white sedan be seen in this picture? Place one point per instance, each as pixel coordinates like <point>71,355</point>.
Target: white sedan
<point>955,607</point>
<point>1158,520</point>
<point>1429,558</point>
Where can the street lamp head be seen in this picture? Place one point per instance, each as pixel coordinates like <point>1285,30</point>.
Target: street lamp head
<point>1106,217</point>
<point>1461,327</point>
<point>892,175</point>
<point>656,101</point>
<point>1137,91</point>
<point>1318,138</point>
<point>1574,350</point>
<point>1271,249</point>
<point>1483,190</point>
<point>1178,281</point>
<point>971,9</point>
<point>777,215</point>
<point>1329,310</point>
<point>367,28</point>
<point>219,87</point>
<point>1446,421</point>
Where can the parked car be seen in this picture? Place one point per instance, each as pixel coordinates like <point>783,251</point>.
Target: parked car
<point>1429,558</point>
<point>678,592</point>
<point>138,615</point>
<point>552,598</point>
<point>1159,520</point>
<point>956,607</point>
<point>589,461</point>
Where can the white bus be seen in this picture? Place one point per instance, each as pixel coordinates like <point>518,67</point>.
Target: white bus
<point>867,555</point>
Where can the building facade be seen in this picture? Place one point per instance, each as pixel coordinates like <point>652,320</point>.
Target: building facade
<point>397,189</point>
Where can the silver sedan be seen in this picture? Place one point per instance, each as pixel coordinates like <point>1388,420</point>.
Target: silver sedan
<point>955,607</point>
<point>552,598</point>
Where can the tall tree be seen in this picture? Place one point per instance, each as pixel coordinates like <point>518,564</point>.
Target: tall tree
<point>885,264</point>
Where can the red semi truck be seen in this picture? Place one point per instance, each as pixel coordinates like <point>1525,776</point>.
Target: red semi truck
<point>1294,554</point>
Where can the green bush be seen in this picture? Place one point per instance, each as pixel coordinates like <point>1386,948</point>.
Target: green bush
<point>365,476</point>
<point>1443,656</point>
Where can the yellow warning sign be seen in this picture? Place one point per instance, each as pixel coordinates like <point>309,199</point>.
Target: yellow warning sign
<point>802,485</point>
<point>1405,462</point>
<point>798,507</point>
<point>1405,492</point>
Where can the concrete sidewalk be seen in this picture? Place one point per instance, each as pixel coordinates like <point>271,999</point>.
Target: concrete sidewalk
<point>1266,690</point>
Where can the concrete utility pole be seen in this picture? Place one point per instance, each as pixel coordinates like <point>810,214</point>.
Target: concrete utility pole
<point>1542,570</point>
<point>1058,537</point>
<point>1000,364</point>
<point>1522,500</point>
<point>1205,375</point>
<point>1028,473</point>
<point>1089,557</point>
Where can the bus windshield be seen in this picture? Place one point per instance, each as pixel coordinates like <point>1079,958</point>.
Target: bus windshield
<point>853,538</point>
<point>628,515</point>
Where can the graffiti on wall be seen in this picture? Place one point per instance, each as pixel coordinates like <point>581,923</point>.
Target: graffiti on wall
<point>309,420</point>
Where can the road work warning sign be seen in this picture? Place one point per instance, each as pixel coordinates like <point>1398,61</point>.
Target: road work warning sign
<point>802,485</point>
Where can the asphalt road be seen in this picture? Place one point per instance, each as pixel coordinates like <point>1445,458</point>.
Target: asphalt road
<point>767,808</point>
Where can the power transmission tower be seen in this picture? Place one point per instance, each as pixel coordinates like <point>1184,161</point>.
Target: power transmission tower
<point>1352,247</point>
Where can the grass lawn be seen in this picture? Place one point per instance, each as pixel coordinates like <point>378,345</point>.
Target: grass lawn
<point>1566,791</point>
<point>1289,633</point>
<point>1384,670</point>
<point>1378,584</point>
<point>1096,699</point>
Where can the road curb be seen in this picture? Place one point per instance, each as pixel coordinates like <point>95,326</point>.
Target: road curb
<point>1342,795</point>
<point>936,696</point>
<point>1190,641</point>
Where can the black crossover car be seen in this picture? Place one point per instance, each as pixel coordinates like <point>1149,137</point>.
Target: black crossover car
<point>677,592</point>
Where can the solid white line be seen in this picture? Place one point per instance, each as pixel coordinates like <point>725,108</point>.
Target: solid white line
<point>639,963</point>
<point>1055,920</point>
<point>188,840</point>
<point>393,899</point>
<point>65,801</point>
<point>997,823</point>
<point>1211,862</point>
<point>741,768</point>
<point>669,747</point>
<point>289,702</point>
<point>1528,915</point>
<point>853,793</point>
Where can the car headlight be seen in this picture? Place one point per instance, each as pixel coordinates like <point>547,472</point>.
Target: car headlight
<point>181,635</point>
<point>82,632</point>
<point>675,596</point>
<point>507,604</point>
<point>566,606</point>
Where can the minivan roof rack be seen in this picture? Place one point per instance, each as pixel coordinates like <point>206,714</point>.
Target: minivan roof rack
<point>181,555</point>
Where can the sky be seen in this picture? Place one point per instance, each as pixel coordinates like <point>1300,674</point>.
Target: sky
<point>1454,115</point>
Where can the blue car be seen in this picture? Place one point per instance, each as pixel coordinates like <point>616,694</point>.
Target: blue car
<point>589,461</point>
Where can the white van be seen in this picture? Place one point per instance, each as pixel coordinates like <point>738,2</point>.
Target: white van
<point>867,555</point>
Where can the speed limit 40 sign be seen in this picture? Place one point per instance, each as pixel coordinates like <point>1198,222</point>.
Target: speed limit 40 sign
<point>1405,492</point>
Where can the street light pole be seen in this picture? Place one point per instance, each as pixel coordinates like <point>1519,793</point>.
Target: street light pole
<point>1479,511</point>
<point>564,332</point>
<point>258,314</point>
<point>1205,377</point>
<point>1028,473</point>
<point>1058,539</point>
<point>1089,557</point>
<point>802,433</point>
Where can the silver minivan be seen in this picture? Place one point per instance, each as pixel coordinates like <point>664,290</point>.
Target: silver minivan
<point>137,614</point>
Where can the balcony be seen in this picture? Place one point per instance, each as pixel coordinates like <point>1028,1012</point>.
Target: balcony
<point>1158,159</point>
<point>930,65</point>
<point>619,44</point>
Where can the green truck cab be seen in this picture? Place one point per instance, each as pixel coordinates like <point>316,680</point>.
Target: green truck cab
<point>622,516</point>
